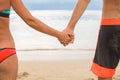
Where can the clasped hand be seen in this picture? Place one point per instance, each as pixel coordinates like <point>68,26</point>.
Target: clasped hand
<point>66,37</point>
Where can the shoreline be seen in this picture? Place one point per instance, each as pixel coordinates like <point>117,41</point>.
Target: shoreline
<point>54,55</point>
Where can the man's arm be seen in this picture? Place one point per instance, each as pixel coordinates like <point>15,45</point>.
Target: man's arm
<point>77,13</point>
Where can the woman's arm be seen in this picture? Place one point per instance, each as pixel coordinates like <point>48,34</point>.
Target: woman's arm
<point>21,10</point>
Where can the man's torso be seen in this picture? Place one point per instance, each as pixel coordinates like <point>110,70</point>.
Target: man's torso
<point>111,9</point>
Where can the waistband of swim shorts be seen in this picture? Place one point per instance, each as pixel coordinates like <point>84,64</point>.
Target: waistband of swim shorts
<point>110,21</point>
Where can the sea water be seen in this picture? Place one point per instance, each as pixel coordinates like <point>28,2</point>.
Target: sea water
<point>35,45</point>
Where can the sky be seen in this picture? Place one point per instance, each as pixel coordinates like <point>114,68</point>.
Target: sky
<point>59,4</point>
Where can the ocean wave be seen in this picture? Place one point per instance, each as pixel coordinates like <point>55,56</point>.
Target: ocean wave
<point>60,14</point>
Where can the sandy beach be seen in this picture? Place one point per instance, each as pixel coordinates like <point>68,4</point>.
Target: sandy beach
<point>58,70</point>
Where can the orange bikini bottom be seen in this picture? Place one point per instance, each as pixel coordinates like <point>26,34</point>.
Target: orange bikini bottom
<point>6,52</point>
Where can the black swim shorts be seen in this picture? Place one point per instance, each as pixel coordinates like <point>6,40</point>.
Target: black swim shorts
<point>107,52</point>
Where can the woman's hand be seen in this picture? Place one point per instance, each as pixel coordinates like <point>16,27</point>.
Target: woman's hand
<point>64,38</point>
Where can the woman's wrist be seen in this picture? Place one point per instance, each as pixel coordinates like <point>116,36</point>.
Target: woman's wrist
<point>57,34</point>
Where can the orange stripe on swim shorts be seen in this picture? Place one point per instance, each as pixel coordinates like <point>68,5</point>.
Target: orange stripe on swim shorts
<point>102,72</point>
<point>110,22</point>
<point>5,53</point>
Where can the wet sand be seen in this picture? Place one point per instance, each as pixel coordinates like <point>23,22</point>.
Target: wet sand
<point>58,70</point>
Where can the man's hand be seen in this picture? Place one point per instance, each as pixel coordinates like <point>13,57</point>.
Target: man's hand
<point>70,32</point>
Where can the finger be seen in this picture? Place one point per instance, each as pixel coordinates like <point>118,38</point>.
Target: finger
<point>63,43</point>
<point>72,38</point>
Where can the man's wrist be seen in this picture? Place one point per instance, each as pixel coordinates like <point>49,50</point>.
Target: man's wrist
<point>71,27</point>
